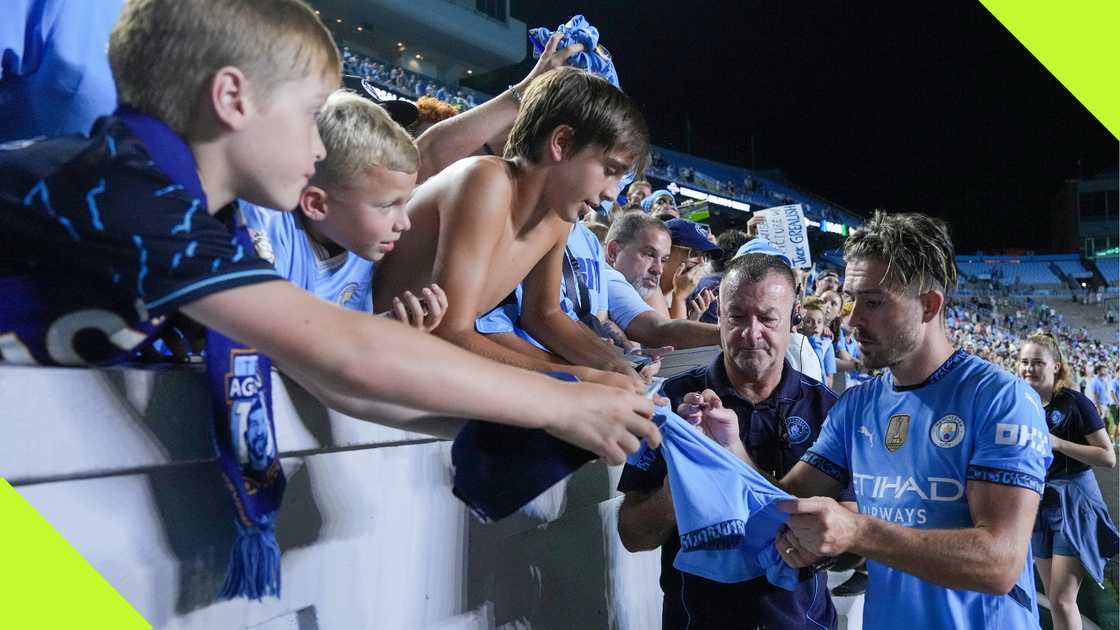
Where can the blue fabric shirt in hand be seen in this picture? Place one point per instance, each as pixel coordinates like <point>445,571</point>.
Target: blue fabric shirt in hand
<point>909,453</point>
<point>100,237</point>
<point>776,432</point>
<point>345,279</point>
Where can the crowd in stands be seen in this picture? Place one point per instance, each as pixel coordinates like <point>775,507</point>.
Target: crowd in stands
<point>408,83</point>
<point>996,328</point>
<point>712,177</point>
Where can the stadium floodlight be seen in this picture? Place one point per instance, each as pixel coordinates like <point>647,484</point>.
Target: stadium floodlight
<point>716,199</point>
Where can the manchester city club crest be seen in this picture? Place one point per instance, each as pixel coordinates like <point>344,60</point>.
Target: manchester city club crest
<point>947,432</point>
<point>1055,418</point>
<point>797,429</point>
<point>897,430</point>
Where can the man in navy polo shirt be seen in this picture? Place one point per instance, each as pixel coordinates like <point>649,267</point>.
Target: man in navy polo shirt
<point>778,414</point>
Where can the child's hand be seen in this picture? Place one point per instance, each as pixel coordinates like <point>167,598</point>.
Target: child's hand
<point>423,313</point>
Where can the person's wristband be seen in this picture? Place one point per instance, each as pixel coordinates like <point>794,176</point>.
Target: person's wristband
<point>516,93</point>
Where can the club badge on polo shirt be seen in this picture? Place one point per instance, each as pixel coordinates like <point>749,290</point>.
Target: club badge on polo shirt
<point>947,432</point>
<point>797,429</point>
<point>897,430</point>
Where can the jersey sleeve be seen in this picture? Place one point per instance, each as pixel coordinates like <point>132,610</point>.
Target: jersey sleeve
<point>623,301</point>
<point>1012,443</point>
<point>1089,421</point>
<point>829,454</point>
<point>646,475</point>
<point>130,232</point>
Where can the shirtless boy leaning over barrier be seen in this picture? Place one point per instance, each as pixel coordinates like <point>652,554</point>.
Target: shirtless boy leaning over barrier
<point>485,223</point>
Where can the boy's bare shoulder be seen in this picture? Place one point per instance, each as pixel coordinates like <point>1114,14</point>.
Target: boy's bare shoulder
<point>482,175</point>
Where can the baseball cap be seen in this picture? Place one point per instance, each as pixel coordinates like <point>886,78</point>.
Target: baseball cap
<point>692,235</point>
<point>762,246</point>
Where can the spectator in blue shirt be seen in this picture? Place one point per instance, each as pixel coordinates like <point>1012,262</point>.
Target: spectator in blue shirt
<point>1098,390</point>
<point>813,327</point>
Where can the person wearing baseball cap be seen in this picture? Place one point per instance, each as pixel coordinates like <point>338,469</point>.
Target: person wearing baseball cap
<point>827,281</point>
<point>685,267</point>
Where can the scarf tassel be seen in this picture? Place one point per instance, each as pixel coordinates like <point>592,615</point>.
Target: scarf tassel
<point>254,563</point>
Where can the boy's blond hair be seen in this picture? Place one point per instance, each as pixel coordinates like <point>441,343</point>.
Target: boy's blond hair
<point>359,134</point>
<point>164,53</point>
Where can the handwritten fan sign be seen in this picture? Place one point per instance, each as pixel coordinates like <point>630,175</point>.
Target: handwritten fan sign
<point>785,228</point>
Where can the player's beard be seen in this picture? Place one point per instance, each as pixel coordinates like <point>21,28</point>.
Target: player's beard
<point>890,351</point>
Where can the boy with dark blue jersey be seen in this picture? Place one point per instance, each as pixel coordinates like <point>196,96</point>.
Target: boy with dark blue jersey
<point>946,453</point>
<point>104,236</point>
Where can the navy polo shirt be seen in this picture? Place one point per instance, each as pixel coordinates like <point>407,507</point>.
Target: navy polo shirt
<point>776,432</point>
<point>101,236</point>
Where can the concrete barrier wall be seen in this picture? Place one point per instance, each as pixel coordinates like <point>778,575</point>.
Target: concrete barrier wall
<point>119,462</point>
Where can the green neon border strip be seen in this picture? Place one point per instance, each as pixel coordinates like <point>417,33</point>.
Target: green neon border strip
<point>45,583</point>
<point>1077,41</point>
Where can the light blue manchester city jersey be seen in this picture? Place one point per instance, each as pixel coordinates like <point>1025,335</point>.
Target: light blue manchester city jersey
<point>909,454</point>
<point>345,279</point>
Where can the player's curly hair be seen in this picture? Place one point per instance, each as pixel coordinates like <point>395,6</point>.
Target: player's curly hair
<point>916,249</point>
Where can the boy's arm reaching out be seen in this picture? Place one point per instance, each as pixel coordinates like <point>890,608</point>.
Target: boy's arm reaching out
<point>471,222</point>
<point>542,317</point>
<point>344,356</point>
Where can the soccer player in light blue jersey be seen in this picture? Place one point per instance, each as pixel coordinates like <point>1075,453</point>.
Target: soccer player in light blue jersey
<point>946,453</point>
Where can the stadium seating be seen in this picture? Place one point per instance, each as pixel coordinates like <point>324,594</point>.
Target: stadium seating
<point>1110,269</point>
<point>1073,268</point>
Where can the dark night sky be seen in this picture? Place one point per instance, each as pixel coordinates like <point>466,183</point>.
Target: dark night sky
<point>904,106</point>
